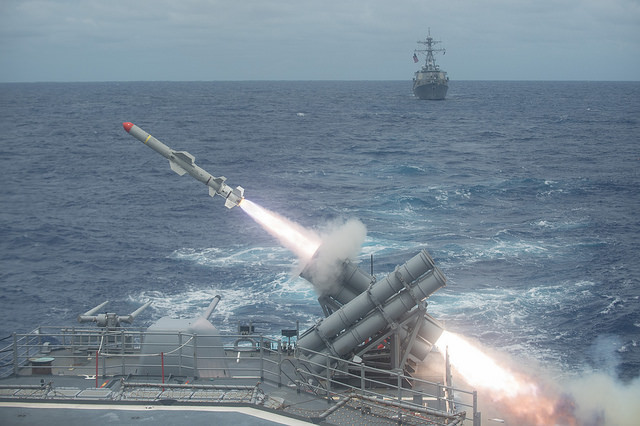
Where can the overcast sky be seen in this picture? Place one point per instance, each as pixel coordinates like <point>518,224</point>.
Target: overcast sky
<point>118,40</point>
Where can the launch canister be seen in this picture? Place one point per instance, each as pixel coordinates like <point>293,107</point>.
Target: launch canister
<point>182,162</point>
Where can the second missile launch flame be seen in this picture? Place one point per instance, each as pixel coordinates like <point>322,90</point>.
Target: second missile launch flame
<point>182,162</point>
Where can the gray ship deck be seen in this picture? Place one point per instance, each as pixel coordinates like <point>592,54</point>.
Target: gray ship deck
<point>59,376</point>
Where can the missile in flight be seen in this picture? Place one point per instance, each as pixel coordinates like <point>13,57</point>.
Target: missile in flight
<point>182,162</point>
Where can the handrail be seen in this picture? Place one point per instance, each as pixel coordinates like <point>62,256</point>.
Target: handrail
<point>126,350</point>
<point>284,372</point>
<point>319,377</point>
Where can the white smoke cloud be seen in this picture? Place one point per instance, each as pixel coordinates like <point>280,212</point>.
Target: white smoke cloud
<point>344,239</point>
<point>601,400</point>
<point>341,240</point>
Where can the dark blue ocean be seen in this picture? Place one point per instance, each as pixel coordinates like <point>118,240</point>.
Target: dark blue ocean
<point>527,195</point>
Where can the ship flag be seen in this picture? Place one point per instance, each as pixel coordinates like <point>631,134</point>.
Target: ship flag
<point>415,58</point>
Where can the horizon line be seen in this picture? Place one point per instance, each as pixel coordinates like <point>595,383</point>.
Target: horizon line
<point>303,80</point>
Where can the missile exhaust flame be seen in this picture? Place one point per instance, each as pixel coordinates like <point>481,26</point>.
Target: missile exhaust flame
<point>480,370</point>
<point>519,396</point>
<point>301,241</point>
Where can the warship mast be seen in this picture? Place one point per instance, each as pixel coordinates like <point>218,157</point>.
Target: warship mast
<point>430,62</point>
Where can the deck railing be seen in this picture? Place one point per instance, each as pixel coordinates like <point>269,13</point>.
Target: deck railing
<point>245,359</point>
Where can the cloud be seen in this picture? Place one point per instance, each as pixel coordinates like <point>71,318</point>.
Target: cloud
<point>288,39</point>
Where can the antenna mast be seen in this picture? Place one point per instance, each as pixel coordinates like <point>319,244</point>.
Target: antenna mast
<point>430,62</point>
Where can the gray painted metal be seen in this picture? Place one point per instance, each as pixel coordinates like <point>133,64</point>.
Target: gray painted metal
<point>344,286</point>
<point>377,309</point>
<point>212,306</point>
<point>430,91</point>
<point>176,340</point>
<point>183,162</point>
<point>110,320</point>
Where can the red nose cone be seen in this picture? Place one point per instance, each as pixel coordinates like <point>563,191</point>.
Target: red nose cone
<point>127,126</point>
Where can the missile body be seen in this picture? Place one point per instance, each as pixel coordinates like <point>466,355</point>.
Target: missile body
<point>182,162</point>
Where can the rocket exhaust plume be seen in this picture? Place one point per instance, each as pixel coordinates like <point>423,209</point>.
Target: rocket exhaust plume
<point>301,241</point>
<point>521,398</point>
<point>480,370</point>
<point>340,240</point>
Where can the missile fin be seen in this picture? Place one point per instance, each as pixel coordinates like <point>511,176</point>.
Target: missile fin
<point>235,197</point>
<point>212,192</point>
<point>179,170</point>
<point>185,156</point>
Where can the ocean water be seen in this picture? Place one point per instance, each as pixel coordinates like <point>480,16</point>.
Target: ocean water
<point>527,195</point>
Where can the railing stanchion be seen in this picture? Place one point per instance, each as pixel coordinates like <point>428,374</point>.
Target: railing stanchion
<point>122,350</point>
<point>162,364</point>
<point>97,352</point>
<point>15,354</point>
<point>261,358</point>
<point>195,355</point>
<point>180,353</point>
<point>328,379</point>
<point>279,363</point>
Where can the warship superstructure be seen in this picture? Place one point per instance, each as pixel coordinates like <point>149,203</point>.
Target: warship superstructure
<point>430,82</point>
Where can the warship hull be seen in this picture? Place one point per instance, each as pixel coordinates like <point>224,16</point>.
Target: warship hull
<point>430,90</point>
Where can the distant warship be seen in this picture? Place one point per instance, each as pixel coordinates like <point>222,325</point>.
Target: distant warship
<point>430,82</point>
